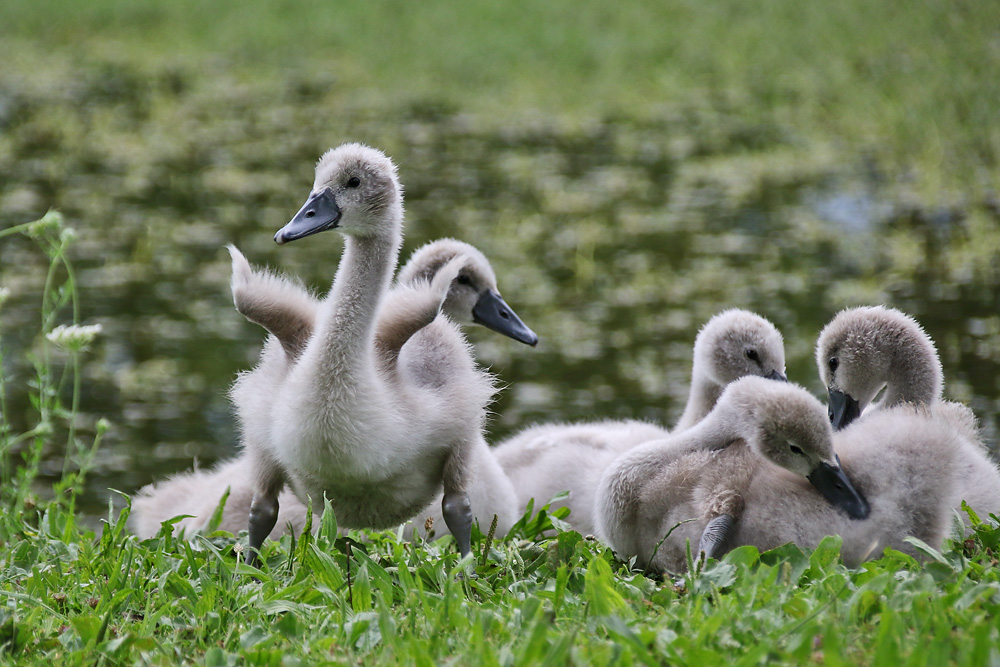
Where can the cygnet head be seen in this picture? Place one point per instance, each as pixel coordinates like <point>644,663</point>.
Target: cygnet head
<point>356,192</point>
<point>736,343</point>
<point>786,425</point>
<point>473,296</point>
<point>863,349</point>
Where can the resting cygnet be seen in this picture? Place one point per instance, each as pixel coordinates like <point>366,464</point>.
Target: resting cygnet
<point>547,459</point>
<point>865,349</point>
<point>685,482</point>
<point>197,494</point>
<point>288,311</point>
<point>908,464</point>
<point>377,433</point>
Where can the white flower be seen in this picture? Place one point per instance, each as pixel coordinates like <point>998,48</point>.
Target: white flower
<point>50,222</point>
<point>73,338</point>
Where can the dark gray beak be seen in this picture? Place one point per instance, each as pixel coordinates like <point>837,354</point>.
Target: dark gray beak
<point>318,214</point>
<point>775,375</point>
<point>493,313</point>
<point>843,409</point>
<point>835,486</point>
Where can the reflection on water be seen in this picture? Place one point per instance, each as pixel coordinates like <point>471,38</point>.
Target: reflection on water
<point>614,240</point>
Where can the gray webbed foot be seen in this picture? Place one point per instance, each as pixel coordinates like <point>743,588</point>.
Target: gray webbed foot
<point>263,516</point>
<point>457,511</point>
<point>717,532</point>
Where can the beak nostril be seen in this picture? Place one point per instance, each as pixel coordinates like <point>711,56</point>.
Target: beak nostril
<point>310,213</point>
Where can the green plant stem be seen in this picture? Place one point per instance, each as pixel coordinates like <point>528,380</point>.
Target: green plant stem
<point>16,229</point>
<point>71,444</point>
<point>54,240</point>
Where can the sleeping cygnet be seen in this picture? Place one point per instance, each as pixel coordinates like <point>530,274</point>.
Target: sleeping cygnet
<point>692,485</point>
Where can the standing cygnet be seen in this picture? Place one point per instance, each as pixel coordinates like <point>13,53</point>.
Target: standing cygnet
<point>672,486</point>
<point>547,459</point>
<point>863,350</point>
<point>288,311</point>
<point>377,434</point>
<point>472,296</point>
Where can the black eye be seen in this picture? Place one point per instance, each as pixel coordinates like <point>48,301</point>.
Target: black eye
<point>353,182</point>
<point>834,363</point>
<point>796,450</point>
<point>463,279</point>
<point>752,354</point>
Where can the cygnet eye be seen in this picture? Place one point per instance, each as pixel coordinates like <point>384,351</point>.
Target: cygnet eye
<point>463,279</point>
<point>752,354</point>
<point>834,363</point>
<point>353,182</point>
<point>796,450</point>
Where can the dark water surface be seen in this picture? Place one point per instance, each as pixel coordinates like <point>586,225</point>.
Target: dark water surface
<point>614,239</point>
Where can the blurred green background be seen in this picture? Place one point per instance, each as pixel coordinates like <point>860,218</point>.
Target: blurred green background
<point>630,169</point>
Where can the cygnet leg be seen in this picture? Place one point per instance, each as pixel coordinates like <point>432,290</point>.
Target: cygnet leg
<point>263,516</point>
<point>715,535</point>
<point>457,512</point>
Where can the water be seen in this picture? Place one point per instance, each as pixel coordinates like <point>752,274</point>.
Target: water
<point>614,239</point>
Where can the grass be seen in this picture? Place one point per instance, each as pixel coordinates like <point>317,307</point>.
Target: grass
<point>75,596</point>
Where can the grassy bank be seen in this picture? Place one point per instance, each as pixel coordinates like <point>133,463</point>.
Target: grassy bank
<point>911,86</point>
<point>76,598</point>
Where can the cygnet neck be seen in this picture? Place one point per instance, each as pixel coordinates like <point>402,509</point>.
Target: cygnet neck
<point>345,332</point>
<point>702,398</point>
<point>914,377</point>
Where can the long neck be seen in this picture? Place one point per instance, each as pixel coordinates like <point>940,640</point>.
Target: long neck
<point>701,399</point>
<point>633,482</point>
<point>716,431</point>
<point>917,380</point>
<point>914,373</point>
<point>345,330</point>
